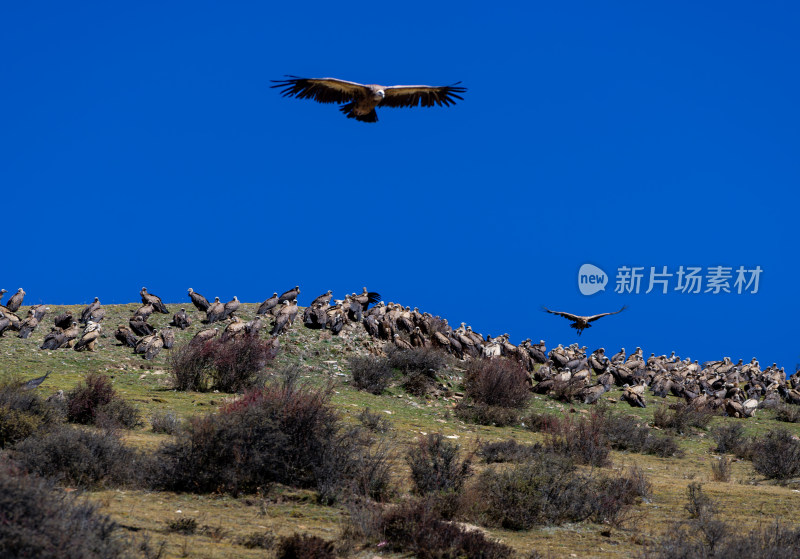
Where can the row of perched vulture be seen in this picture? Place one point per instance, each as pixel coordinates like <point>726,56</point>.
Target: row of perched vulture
<point>737,389</point>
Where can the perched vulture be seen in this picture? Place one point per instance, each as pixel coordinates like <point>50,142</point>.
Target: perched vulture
<point>322,300</point>
<point>359,101</point>
<point>230,307</point>
<point>153,300</point>
<point>125,336</point>
<point>582,322</point>
<point>268,304</point>
<point>90,336</point>
<point>28,326</point>
<point>215,311</point>
<point>289,295</point>
<point>38,311</point>
<point>168,338</point>
<point>181,320</point>
<point>54,339</point>
<point>87,312</point>
<point>200,302</point>
<point>2,292</point>
<point>140,326</point>
<point>144,311</point>
<point>16,300</point>
<point>5,323</point>
<point>203,336</point>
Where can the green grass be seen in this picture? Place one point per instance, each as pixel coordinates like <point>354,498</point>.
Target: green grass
<point>747,500</point>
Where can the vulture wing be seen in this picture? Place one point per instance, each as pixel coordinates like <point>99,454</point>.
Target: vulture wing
<point>321,90</point>
<point>595,317</point>
<point>572,317</point>
<point>421,95</point>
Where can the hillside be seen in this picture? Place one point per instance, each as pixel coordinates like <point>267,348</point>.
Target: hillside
<point>224,521</point>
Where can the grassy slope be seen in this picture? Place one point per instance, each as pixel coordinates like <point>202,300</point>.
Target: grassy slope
<point>746,500</point>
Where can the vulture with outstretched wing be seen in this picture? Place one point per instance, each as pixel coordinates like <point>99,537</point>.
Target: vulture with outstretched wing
<point>359,100</point>
<point>582,322</point>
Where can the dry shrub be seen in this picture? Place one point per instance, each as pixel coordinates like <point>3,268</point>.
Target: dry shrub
<point>370,373</point>
<point>85,400</point>
<point>546,489</point>
<point>483,414</point>
<point>497,382</point>
<point>581,439</point>
<point>416,527</point>
<point>541,422</point>
<point>42,521</point>
<point>721,469</point>
<point>436,465</point>
<point>680,417</point>
<point>374,421</point>
<point>789,413</point>
<point>304,546</point>
<point>507,451</point>
<point>729,438</point>
<point>23,413</point>
<point>776,455</point>
<point>165,422</point>
<point>419,384</point>
<point>426,360</point>
<point>664,446</point>
<point>261,540</point>
<point>185,525</point>
<point>239,363</point>
<point>82,458</point>
<point>231,365</point>
<point>285,432</point>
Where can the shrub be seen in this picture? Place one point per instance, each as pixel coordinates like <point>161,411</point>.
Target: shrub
<point>23,413</point>
<point>789,413</point>
<point>82,458</point>
<point>415,527</point>
<point>44,522</point>
<point>262,540</point>
<point>190,366</point>
<point>118,412</point>
<point>541,422</point>
<point>370,373</point>
<point>436,465</point>
<point>304,546</point>
<point>285,432</point>
<point>231,365</point>
<point>680,416</point>
<point>374,421</point>
<point>729,438</point>
<point>581,439</point>
<point>483,414</point>
<point>545,490</point>
<point>426,360</point>
<point>239,362</point>
<point>85,400</point>
<point>165,422</point>
<point>497,382</point>
<point>418,384</point>
<point>548,490</point>
<point>624,432</point>
<point>507,451</point>
<point>776,455</point>
<point>664,446</point>
<point>698,503</point>
<point>185,525</point>
<point>721,469</point>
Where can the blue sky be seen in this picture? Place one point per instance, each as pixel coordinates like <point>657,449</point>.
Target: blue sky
<point>141,145</point>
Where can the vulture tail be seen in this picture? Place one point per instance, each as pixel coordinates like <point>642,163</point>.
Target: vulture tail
<point>347,109</point>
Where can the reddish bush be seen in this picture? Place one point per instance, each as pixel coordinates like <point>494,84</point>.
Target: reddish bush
<point>85,400</point>
<point>497,382</point>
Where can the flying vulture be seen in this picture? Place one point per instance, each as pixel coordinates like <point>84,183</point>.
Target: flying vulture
<point>582,322</point>
<point>361,100</point>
